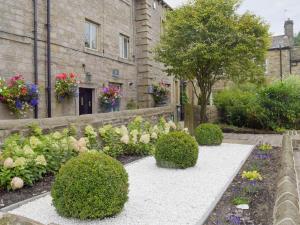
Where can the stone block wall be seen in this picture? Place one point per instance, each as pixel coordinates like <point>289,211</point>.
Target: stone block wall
<point>273,64</point>
<point>286,209</point>
<point>134,18</point>
<point>7,127</point>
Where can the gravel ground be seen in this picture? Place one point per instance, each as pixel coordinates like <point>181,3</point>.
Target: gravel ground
<point>163,196</point>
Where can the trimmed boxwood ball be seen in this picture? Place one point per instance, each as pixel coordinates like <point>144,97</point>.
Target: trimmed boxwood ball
<point>176,150</point>
<point>89,186</point>
<point>209,134</point>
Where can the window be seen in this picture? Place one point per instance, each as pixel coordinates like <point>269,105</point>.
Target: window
<point>91,30</point>
<point>124,46</point>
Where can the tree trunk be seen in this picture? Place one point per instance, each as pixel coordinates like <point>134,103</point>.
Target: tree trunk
<point>203,116</point>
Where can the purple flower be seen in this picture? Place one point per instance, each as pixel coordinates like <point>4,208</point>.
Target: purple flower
<point>234,220</point>
<point>19,104</point>
<point>34,102</point>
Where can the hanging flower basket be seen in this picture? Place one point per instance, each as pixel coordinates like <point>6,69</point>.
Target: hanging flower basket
<point>66,86</point>
<point>160,94</point>
<point>19,96</point>
<point>110,99</point>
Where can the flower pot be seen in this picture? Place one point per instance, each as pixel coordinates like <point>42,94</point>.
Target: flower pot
<point>106,107</point>
<point>116,106</point>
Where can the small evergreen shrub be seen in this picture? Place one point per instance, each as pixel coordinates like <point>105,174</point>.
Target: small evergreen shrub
<point>92,185</point>
<point>208,134</point>
<point>176,150</point>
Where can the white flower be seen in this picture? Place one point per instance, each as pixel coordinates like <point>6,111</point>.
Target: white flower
<point>186,130</point>
<point>145,138</point>
<point>172,124</point>
<point>155,128</point>
<point>138,119</point>
<point>134,132</point>
<point>8,163</point>
<point>20,162</point>
<point>104,129</point>
<point>167,130</point>
<point>16,183</point>
<point>125,139</point>
<point>154,135</point>
<point>57,135</point>
<point>124,130</point>
<point>40,160</point>
<point>28,151</point>
<point>34,142</point>
<point>89,130</point>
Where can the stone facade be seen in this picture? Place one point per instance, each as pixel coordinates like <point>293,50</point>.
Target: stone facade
<point>139,20</point>
<point>283,57</point>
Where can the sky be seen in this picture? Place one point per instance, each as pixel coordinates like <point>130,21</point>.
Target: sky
<point>274,12</point>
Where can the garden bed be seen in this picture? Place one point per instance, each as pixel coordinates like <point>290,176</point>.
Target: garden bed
<point>261,203</point>
<point>40,187</point>
<point>172,196</point>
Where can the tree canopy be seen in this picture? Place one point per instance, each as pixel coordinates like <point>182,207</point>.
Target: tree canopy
<point>206,41</point>
<point>297,39</point>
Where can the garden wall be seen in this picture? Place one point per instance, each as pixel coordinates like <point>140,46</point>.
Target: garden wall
<point>8,127</point>
<point>286,210</point>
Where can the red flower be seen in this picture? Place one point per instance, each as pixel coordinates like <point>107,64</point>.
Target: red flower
<point>72,75</point>
<point>61,76</point>
<point>23,90</point>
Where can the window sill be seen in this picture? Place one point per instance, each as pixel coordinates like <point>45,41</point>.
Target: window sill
<point>93,51</point>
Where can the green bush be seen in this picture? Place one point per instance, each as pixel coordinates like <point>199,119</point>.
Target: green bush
<point>281,101</point>
<point>92,185</point>
<point>176,150</point>
<point>275,106</point>
<point>208,134</point>
<point>240,107</point>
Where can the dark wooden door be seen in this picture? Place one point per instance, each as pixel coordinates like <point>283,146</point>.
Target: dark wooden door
<point>85,101</point>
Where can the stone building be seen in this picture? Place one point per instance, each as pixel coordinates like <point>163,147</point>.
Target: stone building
<point>104,41</point>
<point>283,57</point>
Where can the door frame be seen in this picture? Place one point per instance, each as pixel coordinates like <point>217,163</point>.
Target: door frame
<point>94,102</point>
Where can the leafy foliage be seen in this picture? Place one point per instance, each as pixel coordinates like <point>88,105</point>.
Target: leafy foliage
<point>297,39</point>
<point>275,106</point>
<point>239,106</point>
<point>176,150</point>
<point>208,134</point>
<point>99,190</point>
<point>207,40</point>
<point>30,158</point>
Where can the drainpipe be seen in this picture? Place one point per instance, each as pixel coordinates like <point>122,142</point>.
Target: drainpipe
<point>35,51</point>
<point>49,58</point>
<point>280,55</point>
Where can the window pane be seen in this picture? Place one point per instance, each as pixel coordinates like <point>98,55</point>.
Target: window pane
<point>93,36</point>
<point>121,46</point>
<point>87,35</point>
<point>125,47</point>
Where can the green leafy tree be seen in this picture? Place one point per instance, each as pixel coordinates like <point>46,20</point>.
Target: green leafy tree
<point>297,39</point>
<point>206,41</point>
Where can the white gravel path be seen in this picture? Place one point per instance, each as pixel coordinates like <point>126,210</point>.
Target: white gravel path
<point>163,196</point>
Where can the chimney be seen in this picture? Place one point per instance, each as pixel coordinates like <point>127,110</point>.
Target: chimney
<point>289,30</point>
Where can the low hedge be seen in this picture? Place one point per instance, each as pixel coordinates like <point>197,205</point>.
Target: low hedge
<point>176,150</point>
<point>92,185</point>
<point>209,134</point>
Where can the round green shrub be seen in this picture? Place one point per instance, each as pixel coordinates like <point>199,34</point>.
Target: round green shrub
<point>176,150</point>
<point>89,186</point>
<point>209,134</point>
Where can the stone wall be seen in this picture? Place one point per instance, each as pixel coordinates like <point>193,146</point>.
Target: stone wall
<point>8,127</point>
<point>273,64</point>
<point>69,54</point>
<point>286,209</point>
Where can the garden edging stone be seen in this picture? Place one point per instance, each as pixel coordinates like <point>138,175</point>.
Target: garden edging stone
<point>286,209</point>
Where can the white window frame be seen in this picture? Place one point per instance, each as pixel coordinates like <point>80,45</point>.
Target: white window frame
<point>122,46</point>
<point>91,24</point>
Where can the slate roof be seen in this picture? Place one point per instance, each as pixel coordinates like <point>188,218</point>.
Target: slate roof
<point>280,41</point>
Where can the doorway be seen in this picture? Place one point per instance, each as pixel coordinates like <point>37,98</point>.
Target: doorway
<point>85,101</point>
